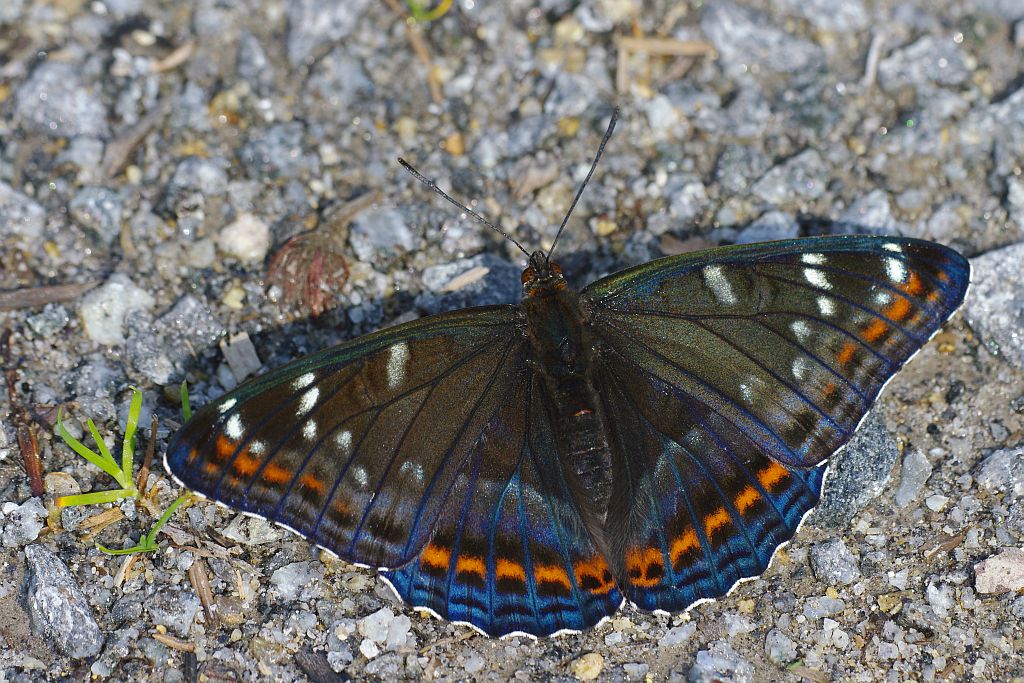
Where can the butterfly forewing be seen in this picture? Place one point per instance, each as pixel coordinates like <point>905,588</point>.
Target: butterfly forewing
<point>724,375</point>
<point>355,447</point>
<point>791,341</point>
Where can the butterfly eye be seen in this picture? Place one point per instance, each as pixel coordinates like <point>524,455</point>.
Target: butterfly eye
<point>529,274</point>
<point>555,268</point>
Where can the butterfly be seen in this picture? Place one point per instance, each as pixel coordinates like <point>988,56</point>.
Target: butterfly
<point>526,469</point>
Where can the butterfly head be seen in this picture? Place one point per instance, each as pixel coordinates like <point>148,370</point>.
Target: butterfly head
<point>542,274</point>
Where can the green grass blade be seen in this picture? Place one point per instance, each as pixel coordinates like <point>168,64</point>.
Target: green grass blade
<point>186,407</point>
<point>140,548</point>
<point>128,448</point>
<point>108,466</point>
<point>166,517</point>
<point>95,497</point>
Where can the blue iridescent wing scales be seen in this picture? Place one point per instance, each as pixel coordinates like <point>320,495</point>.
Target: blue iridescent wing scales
<point>512,553</point>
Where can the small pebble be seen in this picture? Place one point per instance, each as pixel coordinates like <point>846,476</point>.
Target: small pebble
<point>1001,573</point>
<point>588,667</point>
<point>103,309</point>
<point>247,239</point>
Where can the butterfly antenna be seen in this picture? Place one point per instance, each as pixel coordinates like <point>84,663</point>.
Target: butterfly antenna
<point>600,151</point>
<point>433,186</point>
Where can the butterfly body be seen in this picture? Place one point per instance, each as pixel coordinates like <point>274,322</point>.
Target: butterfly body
<point>653,437</point>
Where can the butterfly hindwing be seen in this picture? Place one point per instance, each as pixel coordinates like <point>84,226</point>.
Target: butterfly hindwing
<point>354,446</point>
<point>696,505</point>
<point>727,377</point>
<point>511,553</point>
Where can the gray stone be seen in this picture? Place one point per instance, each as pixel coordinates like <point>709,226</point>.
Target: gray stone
<point>379,234</point>
<point>1002,573</point>
<point>780,648</point>
<point>174,609</point>
<point>572,94</point>
<point>57,607</point>
<point>55,102</point>
<point>103,309</point>
<point>160,349</point>
<point>870,214</point>
<point>198,173</point>
<point>800,178</point>
<point>22,523</point>
<point>745,38</point>
<point>20,215</point>
<point>720,662</point>
<point>915,473</point>
<point>120,644</point>
<point>500,284</point>
<point>340,79</point>
<point>931,60</point>
<point>48,322</point>
<point>678,635</point>
<point>10,11</point>
<point>99,211</point>
<point>858,474</point>
<point>738,166</point>
<point>1003,471</point>
<point>688,199</point>
<point>995,304</point>
<point>773,225</point>
<point>278,152</point>
<point>247,238</point>
<point>313,24</point>
<point>821,606</point>
<point>833,563</point>
<point>847,16</point>
<point>298,579</point>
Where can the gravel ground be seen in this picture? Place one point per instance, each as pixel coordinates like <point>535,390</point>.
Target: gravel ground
<point>166,152</point>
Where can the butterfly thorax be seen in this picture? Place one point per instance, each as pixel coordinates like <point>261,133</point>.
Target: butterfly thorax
<point>560,352</point>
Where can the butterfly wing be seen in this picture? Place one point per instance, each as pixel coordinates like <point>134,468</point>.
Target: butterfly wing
<point>728,375</point>
<point>511,552</point>
<point>357,447</point>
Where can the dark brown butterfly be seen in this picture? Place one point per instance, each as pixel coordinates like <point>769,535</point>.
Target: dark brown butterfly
<point>526,468</point>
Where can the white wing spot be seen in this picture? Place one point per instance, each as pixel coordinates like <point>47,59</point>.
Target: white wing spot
<point>817,278</point>
<point>359,474</point>
<point>258,447</point>
<point>226,405</point>
<point>813,259</point>
<point>714,278</point>
<point>344,440</point>
<point>303,381</point>
<point>881,298</point>
<point>307,402</point>
<point>895,269</point>
<point>234,427</point>
<point>801,329</point>
<point>397,360</point>
<point>892,246</point>
<point>309,430</point>
<point>748,393</point>
<point>800,367</point>
<point>414,468</point>
<point>826,306</point>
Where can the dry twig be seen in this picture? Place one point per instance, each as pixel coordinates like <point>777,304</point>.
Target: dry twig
<point>658,47</point>
<point>147,460</point>
<point>27,444</point>
<point>416,42</point>
<point>33,297</point>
